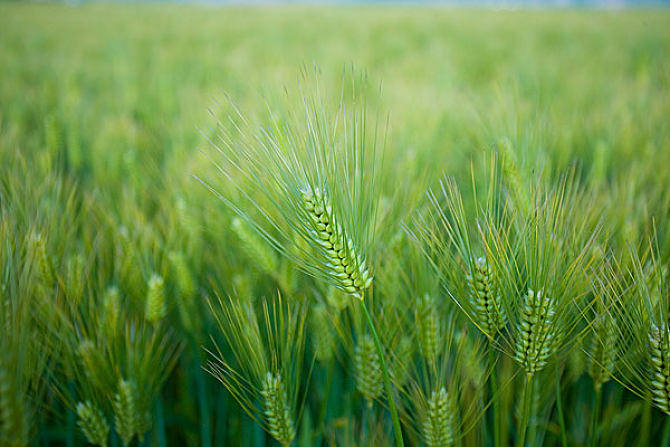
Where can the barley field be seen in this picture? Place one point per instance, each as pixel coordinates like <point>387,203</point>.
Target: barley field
<point>334,226</point>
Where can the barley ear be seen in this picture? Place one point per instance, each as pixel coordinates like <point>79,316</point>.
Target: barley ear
<point>486,298</point>
<point>602,351</point>
<point>257,249</point>
<point>92,423</point>
<point>125,411</point>
<point>659,349</point>
<point>346,267</point>
<point>277,410</point>
<point>428,327</point>
<point>323,337</point>
<point>438,424</point>
<point>155,309</point>
<point>536,334</point>
<point>367,370</point>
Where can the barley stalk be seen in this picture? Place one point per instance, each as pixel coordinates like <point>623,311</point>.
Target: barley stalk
<point>277,410</point>
<point>346,267</point>
<point>14,430</point>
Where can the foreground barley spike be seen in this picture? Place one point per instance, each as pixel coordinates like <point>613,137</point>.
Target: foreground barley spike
<point>486,298</point>
<point>536,332</point>
<point>347,268</point>
<point>428,327</point>
<point>324,341</point>
<point>368,370</point>
<point>92,423</point>
<point>438,424</point>
<point>125,411</point>
<point>155,309</point>
<point>603,351</point>
<point>257,249</point>
<point>277,410</point>
<point>659,350</point>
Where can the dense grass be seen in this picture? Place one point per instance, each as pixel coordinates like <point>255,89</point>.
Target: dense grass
<point>123,274</point>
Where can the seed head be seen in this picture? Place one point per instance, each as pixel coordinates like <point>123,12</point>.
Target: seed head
<point>438,425</point>
<point>346,267</point>
<point>277,410</point>
<point>155,308</point>
<point>92,423</point>
<point>537,335</point>
<point>486,299</point>
<point>368,370</point>
<point>659,350</point>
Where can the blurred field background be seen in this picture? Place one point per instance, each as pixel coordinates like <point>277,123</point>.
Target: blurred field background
<point>100,111</point>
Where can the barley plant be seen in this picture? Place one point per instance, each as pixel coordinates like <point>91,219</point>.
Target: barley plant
<point>334,226</point>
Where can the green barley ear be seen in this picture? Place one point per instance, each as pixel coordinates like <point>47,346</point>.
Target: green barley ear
<point>182,274</point>
<point>512,177</point>
<point>438,424</point>
<point>536,333</point>
<point>92,362</point>
<point>323,337</point>
<point>92,423</point>
<point>155,309</point>
<point>186,286</point>
<point>14,430</point>
<point>111,308</point>
<point>346,267</point>
<point>368,370</point>
<point>125,411</point>
<point>659,350</point>
<point>258,251</point>
<point>39,249</point>
<point>602,353</point>
<point>277,410</point>
<point>486,298</point>
<point>428,327</point>
<point>402,355</point>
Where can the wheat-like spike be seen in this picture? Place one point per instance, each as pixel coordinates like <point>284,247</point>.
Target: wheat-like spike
<point>186,286</point>
<point>277,410</point>
<point>659,350</point>
<point>92,423</point>
<point>428,327</point>
<point>368,370</point>
<point>346,267</point>
<point>438,425</point>
<point>324,341</point>
<point>603,351</point>
<point>125,411</point>
<point>402,356</point>
<point>43,261</point>
<point>486,299</point>
<point>257,249</point>
<point>155,309</point>
<point>536,332</point>
<point>111,308</point>
<point>91,360</point>
<point>14,430</point>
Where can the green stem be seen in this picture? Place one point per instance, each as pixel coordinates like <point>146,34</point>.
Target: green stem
<point>160,424</point>
<point>205,426</point>
<point>320,423</point>
<point>525,414</point>
<point>397,431</point>
<point>494,395</point>
<point>559,409</point>
<point>595,416</point>
<point>71,419</point>
<point>665,440</point>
